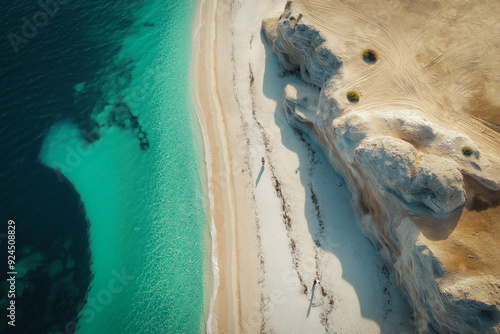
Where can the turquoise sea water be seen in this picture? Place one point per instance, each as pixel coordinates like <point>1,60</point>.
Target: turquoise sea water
<point>146,204</point>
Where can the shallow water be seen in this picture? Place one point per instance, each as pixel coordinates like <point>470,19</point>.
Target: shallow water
<point>37,83</point>
<point>141,181</point>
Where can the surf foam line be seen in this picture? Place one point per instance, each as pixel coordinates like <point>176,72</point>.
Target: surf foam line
<point>211,319</point>
<point>211,322</point>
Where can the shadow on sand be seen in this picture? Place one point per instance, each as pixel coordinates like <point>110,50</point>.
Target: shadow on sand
<point>260,175</point>
<point>340,236</point>
<point>311,303</point>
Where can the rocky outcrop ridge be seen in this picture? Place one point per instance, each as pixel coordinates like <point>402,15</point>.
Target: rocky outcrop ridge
<point>409,179</point>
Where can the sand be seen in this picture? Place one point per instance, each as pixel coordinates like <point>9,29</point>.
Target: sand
<point>223,308</point>
<point>438,59</point>
<point>280,225</point>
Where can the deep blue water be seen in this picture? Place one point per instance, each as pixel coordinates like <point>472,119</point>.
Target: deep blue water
<point>37,91</point>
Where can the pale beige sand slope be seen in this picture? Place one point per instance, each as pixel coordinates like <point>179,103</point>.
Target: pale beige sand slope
<point>440,58</point>
<point>222,313</point>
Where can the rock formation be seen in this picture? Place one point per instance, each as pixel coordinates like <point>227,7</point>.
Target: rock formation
<point>431,210</point>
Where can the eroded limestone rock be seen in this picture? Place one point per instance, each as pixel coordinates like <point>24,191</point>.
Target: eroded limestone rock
<point>407,176</point>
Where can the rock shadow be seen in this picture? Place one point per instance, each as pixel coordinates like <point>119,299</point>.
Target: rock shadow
<point>326,236</point>
<point>437,228</point>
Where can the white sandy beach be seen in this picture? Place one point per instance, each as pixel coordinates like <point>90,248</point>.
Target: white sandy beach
<point>281,225</point>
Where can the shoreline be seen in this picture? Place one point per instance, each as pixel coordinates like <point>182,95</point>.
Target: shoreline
<point>212,261</point>
<point>223,312</point>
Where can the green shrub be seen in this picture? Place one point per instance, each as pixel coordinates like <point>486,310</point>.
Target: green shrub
<point>467,150</point>
<point>353,96</point>
<point>370,55</point>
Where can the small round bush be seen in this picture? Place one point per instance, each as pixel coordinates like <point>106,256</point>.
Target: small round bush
<point>353,96</point>
<point>467,150</point>
<point>370,55</point>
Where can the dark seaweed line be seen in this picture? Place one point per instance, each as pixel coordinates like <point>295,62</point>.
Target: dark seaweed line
<point>285,208</point>
<point>324,317</point>
<point>264,300</point>
<point>314,198</point>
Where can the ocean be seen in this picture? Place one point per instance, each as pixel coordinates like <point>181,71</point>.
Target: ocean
<point>103,167</point>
